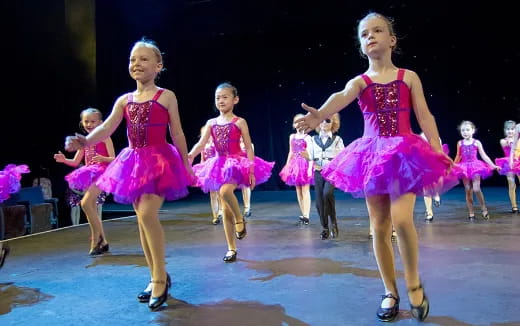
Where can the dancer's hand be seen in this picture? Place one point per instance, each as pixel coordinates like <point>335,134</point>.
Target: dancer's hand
<point>76,142</point>
<point>60,158</point>
<point>310,121</point>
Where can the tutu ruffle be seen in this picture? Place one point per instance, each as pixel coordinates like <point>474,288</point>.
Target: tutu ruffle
<point>390,165</point>
<point>156,169</point>
<point>296,172</point>
<point>82,178</point>
<point>10,178</point>
<point>470,169</point>
<point>230,169</point>
<point>503,164</point>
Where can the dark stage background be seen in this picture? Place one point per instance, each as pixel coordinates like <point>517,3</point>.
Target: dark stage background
<point>62,56</point>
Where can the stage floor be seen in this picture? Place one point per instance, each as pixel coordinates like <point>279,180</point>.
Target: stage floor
<point>284,275</point>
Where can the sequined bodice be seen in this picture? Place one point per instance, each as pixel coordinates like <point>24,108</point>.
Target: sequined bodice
<point>299,145</point>
<point>93,150</point>
<point>468,153</point>
<point>226,138</point>
<point>146,122</point>
<point>386,107</point>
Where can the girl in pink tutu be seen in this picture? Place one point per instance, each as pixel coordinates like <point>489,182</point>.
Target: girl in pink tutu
<point>389,165</point>
<point>97,157</point>
<point>470,169</point>
<point>435,200</point>
<point>150,170</point>
<point>10,178</point>
<point>298,170</point>
<point>229,169</point>
<point>246,191</point>
<point>503,162</point>
<point>208,152</point>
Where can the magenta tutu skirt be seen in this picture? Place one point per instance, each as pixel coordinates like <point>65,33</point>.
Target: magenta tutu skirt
<point>82,178</point>
<point>10,178</point>
<point>156,169</point>
<point>230,169</point>
<point>503,163</point>
<point>295,172</point>
<point>390,165</point>
<point>472,168</point>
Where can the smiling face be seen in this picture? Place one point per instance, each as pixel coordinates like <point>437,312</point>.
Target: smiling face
<point>376,36</point>
<point>90,120</point>
<point>144,64</point>
<point>225,100</point>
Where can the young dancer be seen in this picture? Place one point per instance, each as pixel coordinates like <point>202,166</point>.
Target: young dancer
<point>229,169</point>
<point>246,191</point>
<point>430,201</point>
<point>207,153</point>
<point>10,178</point>
<point>325,146</point>
<point>503,162</point>
<point>389,165</point>
<point>470,169</point>
<point>514,155</point>
<point>82,180</point>
<point>298,170</point>
<point>150,170</point>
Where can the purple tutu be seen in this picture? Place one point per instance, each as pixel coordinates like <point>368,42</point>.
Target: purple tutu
<point>471,169</point>
<point>230,169</point>
<point>390,165</point>
<point>503,163</point>
<point>82,178</point>
<point>296,172</point>
<point>156,169</point>
<point>10,178</point>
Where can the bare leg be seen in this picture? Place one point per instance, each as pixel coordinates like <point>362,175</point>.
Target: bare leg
<point>246,199</point>
<point>469,196</point>
<point>480,195</point>
<point>428,204</point>
<point>88,204</point>
<point>74,215</point>
<point>306,200</point>
<point>231,214</point>
<point>402,218</point>
<point>299,196</point>
<point>151,231</point>
<point>511,187</point>
<point>381,224</point>
<point>100,211</point>
<point>214,202</point>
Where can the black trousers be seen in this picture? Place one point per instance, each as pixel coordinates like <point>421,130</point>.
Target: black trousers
<point>325,200</point>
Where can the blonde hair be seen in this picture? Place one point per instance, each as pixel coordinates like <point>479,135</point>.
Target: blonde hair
<point>509,124</point>
<point>87,111</point>
<point>297,116</point>
<point>335,120</point>
<point>389,23</point>
<point>467,122</point>
<point>149,44</point>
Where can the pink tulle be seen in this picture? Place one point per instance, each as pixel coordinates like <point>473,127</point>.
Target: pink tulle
<point>470,169</point>
<point>82,178</point>
<point>230,169</point>
<point>390,165</point>
<point>505,168</point>
<point>296,172</point>
<point>10,178</point>
<point>156,169</point>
